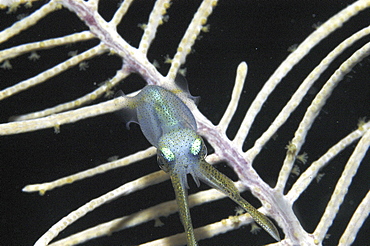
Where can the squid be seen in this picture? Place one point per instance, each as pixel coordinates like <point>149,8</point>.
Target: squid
<point>168,124</point>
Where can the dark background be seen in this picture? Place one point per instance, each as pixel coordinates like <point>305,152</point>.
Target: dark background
<point>259,33</point>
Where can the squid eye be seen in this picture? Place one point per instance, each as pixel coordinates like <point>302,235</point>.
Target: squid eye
<point>198,147</point>
<point>168,154</point>
<point>164,158</point>
<point>162,163</point>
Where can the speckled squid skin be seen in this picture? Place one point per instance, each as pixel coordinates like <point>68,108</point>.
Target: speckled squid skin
<point>169,125</point>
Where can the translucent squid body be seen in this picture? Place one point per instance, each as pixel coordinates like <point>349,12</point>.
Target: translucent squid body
<point>169,125</point>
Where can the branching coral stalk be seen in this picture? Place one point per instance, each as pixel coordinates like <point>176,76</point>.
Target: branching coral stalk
<point>275,203</point>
